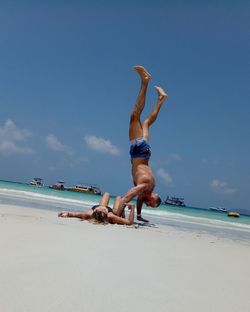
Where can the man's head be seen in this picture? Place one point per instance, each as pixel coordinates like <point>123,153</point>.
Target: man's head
<point>153,200</point>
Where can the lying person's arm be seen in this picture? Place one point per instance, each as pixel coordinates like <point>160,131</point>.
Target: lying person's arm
<point>75,214</point>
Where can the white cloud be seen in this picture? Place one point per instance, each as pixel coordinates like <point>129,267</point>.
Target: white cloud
<point>10,132</point>
<point>9,147</point>
<point>53,143</point>
<point>165,176</point>
<point>221,187</point>
<point>101,145</point>
<point>11,137</point>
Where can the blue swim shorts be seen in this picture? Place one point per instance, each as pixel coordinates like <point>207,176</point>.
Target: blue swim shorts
<point>140,148</point>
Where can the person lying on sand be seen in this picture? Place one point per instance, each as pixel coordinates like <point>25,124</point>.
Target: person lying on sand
<point>102,213</point>
<point>140,151</point>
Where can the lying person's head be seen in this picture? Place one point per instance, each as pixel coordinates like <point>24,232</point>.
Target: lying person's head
<point>100,214</point>
<point>152,200</point>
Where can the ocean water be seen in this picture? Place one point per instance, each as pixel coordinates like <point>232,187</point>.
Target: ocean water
<point>182,218</point>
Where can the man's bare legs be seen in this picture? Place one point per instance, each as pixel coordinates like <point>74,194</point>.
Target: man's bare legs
<point>162,96</point>
<point>135,127</point>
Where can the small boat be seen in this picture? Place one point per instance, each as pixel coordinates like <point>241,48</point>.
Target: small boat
<point>37,182</point>
<point>58,186</point>
<point>219,209</point>
<point>234,214</point>
<point>174,201</point>
<point>90,189</point>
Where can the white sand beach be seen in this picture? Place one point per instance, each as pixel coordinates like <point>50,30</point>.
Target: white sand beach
<point>55,264</point>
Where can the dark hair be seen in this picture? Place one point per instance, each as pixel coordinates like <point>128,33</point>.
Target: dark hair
<point>100,216</point>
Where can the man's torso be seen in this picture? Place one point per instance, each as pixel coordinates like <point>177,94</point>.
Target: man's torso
<point>142,173</point>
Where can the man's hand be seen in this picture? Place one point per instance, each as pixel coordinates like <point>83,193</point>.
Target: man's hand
<point>130,206</point>
<point>140,218</point>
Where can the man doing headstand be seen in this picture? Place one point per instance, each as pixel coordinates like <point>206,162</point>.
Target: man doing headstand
<point>140,152</point>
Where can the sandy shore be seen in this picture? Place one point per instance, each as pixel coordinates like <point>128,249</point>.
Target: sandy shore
<point>54,264</point>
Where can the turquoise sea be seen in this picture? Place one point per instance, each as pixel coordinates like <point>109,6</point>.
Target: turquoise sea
<point>182,218</point>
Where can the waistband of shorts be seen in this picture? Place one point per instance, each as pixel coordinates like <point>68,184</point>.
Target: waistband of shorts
<point>138,140</point>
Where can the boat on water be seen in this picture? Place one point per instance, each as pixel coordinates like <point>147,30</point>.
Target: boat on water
<point>90,189</point>
<point>58,186</point>
<point>219,209</point>
<point>37,182</point>
<point>234,214</point>
<point>174,201</point>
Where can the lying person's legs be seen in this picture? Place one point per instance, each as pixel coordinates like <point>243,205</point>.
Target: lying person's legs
<point>116,211</point>
<point>105,199</point>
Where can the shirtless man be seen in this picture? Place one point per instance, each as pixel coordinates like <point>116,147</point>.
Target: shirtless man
<point>140,152</point>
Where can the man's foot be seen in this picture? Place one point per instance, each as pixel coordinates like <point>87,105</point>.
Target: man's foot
<point>140,218</point>
<point>142,72</point>
<point>161,93</point>
<point>63,214</point>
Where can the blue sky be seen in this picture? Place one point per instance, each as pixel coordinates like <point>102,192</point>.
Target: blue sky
<point>67,88</point>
